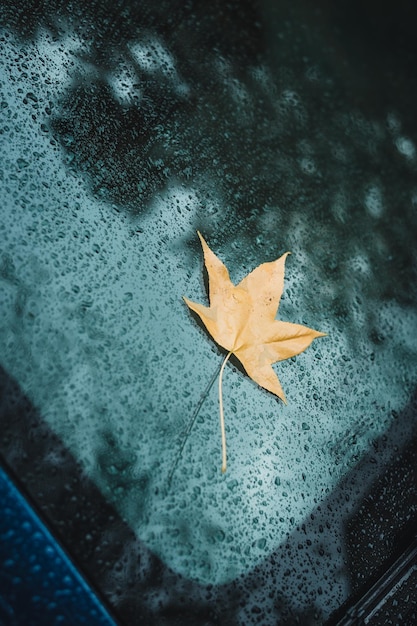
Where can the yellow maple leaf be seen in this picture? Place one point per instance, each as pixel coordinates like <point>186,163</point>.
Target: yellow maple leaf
<point>241,319</point>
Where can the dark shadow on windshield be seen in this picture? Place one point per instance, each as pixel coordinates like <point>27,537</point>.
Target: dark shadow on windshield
<point>364,523</point>
<point>249,104</point>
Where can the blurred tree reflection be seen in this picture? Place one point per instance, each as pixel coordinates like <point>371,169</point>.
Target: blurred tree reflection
<point>270,110</point>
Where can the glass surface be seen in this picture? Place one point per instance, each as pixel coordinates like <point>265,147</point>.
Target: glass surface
<point>127,127</point>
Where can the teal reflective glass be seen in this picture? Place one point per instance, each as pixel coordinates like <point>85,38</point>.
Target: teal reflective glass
<point>127,127</point>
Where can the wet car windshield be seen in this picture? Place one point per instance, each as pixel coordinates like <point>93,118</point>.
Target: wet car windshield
<point>269,127</point>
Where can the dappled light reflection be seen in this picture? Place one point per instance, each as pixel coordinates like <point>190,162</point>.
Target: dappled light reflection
<point>127,129</point>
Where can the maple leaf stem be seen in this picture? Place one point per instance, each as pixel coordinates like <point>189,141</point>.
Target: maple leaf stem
<point>224,464</point>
